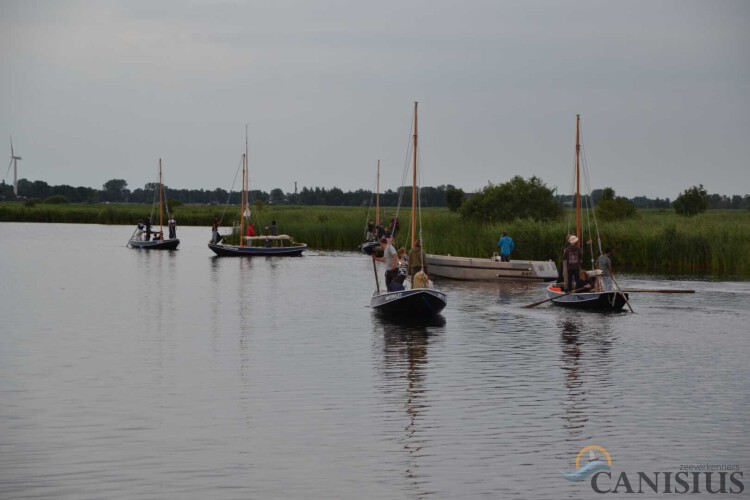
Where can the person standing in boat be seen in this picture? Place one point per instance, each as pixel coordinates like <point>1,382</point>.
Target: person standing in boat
<point>215,238</point>
<point>274,229</point>
<point>506,247</point>
<point>390,258</point>
<point>380,231</point>
<point>395,226</point>
<point>572,258</point>
<point>147,223</point>
<point>370,230</point>
<point>250,231</point>
<point>172,223</point>
<point>139,230</point>
<point>417,262</point>
<point>562,276</point>
<point>604,262</point>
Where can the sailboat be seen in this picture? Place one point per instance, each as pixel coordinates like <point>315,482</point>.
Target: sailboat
<point>604,300</point>
<point>157,242</point>
<point>281,245</point>
<point>414,302</point>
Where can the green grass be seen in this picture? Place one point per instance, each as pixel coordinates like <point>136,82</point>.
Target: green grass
<point>716,242</point>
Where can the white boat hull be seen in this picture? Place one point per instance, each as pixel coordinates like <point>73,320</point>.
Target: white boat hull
<point>476,269</point>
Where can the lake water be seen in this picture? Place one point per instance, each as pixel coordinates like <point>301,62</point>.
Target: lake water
<point>136,374</point>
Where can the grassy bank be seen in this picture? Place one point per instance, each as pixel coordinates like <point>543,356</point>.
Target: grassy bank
<point>716,242</point>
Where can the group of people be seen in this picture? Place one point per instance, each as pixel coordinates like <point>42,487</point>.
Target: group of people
<point>398,264</point>
<point>375,232</point>
<point>144,227</point>
<point>575,279</point>
<point>273,230</point>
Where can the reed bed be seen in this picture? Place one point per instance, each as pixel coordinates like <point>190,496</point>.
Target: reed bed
<point>715,243</point>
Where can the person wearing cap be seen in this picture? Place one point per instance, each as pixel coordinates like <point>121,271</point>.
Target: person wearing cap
<point>572,258</point>
<point>604,262</point>
<point>506,247</point>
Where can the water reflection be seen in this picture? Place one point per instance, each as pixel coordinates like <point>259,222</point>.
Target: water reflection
<point>404,346</point>
<point>585,344</point>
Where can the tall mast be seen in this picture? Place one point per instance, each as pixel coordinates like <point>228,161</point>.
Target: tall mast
<point>578,177</point>
<point>377,198</point>
<point>243,197</point>
<point>161,200</point>
<point>414,185</point>
<point>242,202</point>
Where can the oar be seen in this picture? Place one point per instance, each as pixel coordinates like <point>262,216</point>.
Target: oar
<point>645,290</point>
<point>375,270</point>
<point>529,306</point>
<point>621,292</point>
<point>131,237</point>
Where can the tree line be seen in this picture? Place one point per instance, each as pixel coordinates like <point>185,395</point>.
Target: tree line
<point>502,196</point>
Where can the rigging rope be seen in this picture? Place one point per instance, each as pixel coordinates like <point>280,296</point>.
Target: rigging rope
<point>230,193</point>
<point>593,212</point>
<point>409,147</point>
<point>153,202</point>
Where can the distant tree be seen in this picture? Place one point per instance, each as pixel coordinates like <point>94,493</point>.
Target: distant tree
<point>454,197</point>
<point>115,190</point>
<point>613,207</point>
<point>596,195</point>
<point>277,195</point>
<point>692,201</point>
<point>515,199</point>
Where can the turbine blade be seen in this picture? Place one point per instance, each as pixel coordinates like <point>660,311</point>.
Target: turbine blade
<point>11,146</point>
<point>8,171</point>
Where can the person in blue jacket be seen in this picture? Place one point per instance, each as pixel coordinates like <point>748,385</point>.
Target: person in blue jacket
<point>506,247</point>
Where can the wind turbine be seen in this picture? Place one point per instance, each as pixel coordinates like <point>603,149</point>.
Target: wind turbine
<point>13,161</point>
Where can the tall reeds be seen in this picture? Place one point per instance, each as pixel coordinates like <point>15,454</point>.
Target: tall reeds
<point>716,242</point>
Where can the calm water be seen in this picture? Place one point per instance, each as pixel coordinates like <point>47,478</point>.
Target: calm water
<point>134,374</point>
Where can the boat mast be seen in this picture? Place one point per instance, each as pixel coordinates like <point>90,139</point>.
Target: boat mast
<point>414,185</point>
<point>161,200</point>
<point>377,198</point>
<point>243,197</point>
<point>578,178</point>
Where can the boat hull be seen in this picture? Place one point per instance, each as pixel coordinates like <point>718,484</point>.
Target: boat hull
<point>595,301</point>
<point>238,251</point>
<point>475,269</point>
<point>417,302</point>
<point>170,244</point>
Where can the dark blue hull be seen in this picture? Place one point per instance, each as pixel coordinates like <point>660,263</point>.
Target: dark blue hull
<point>596,301</point>
<point>238,251</point>
<point>155,244</point>
<point>418,302</point>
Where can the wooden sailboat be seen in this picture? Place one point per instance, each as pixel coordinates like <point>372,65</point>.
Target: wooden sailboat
<point>281,245</point>
<point>606,300</point>
<point>414,302</point>
<point>157,242</point>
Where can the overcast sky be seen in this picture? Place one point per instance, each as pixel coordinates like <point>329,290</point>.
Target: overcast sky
<point>92,91</point>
